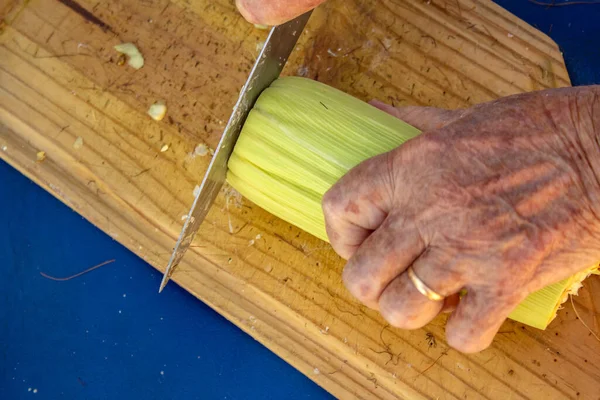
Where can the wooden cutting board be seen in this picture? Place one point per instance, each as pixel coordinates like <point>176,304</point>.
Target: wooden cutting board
<point>60,81</point>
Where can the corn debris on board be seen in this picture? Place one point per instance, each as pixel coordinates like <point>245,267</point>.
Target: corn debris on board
<point>302,136</point>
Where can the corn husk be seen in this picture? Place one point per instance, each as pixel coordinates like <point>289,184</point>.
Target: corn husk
<point>300,138</point>
<point>303,136</point>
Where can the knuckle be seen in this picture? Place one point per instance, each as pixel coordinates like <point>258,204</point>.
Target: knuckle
<point>404,315</point>
<point>463,342</point>
<point>359,286</point>
<point>332,202</point>
<point>469,336</point>
<point>392,310</point>
<point>394,316</point>
<point>353,283</point>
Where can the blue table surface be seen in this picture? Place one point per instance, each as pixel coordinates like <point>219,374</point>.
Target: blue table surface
<point>109,335</point>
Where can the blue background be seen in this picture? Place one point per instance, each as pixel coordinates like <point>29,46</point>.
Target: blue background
<point>109,335</point>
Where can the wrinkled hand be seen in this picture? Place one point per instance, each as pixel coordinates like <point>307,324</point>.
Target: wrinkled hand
<point>500,199</point>
<point>274,12</point>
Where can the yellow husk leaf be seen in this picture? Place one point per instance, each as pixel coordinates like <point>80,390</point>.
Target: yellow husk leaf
<point>303,136</point>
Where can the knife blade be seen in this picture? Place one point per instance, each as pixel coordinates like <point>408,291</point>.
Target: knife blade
<point>268,66</point>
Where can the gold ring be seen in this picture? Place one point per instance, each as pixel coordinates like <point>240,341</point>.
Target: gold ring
<point>422,287</point>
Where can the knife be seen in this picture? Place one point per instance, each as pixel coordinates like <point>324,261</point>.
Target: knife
<point>268,66</point>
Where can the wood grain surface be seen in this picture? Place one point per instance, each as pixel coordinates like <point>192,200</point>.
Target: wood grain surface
<point>60,80</point>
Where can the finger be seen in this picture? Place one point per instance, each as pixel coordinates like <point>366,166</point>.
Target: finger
<point>423,118</point>
<point>384,255</point>
<point>403,306</point>
<point>357,205</point>
<point>476,320</point>
<point>274,12</point>
<point>440,271</point>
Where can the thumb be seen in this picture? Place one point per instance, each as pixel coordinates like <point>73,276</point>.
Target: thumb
<point>274,12</point>
<point>423,118</point>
